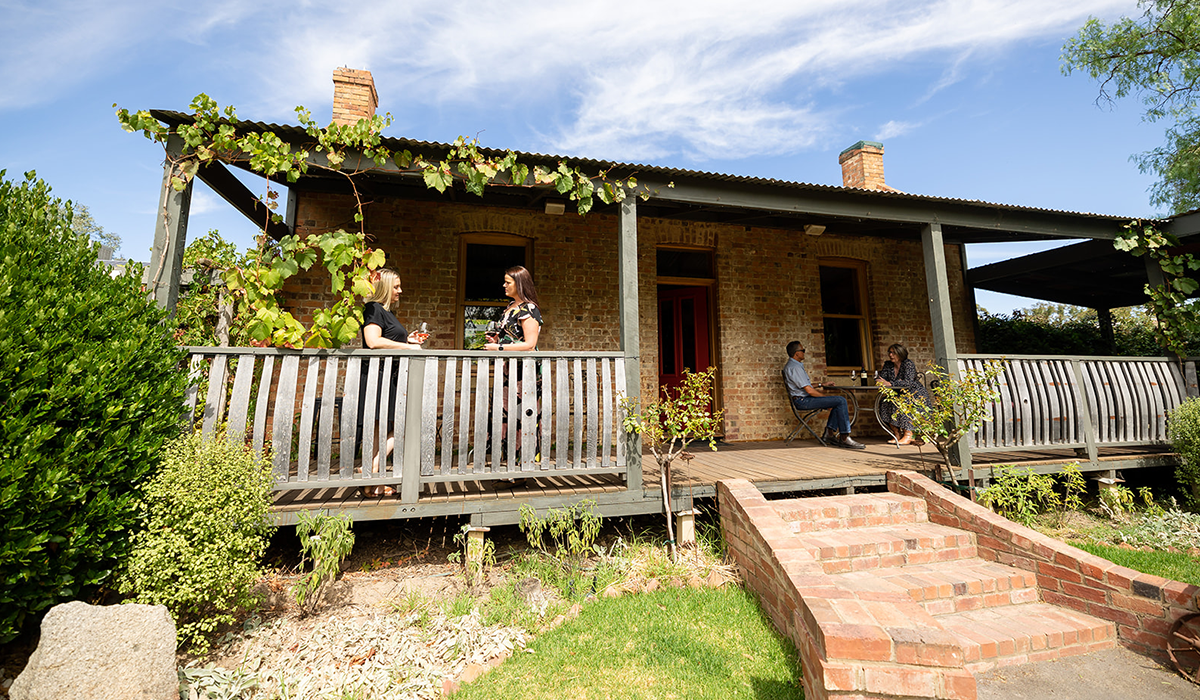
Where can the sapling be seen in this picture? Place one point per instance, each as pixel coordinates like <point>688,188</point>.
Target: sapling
<point>957,406</point>
<point>671,422</point>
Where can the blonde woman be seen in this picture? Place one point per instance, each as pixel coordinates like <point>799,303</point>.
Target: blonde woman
<point>381,330</point>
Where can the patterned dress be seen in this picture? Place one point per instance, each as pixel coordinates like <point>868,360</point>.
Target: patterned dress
<point>512,331</point>
<point>906,381</point>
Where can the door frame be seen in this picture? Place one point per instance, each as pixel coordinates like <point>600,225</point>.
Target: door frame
<point>714,333</point>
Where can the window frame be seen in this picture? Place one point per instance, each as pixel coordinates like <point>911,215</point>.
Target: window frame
<point>487,238</point>
<point>863,317</point>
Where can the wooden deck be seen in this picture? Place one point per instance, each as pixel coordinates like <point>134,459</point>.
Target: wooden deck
<point>772,466</point>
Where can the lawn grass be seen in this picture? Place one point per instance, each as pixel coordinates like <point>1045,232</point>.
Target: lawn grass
<point>674,643</point>
<point>1177,566</point>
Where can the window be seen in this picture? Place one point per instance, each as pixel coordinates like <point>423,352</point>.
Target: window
<point>482,260</point>
<point>844,307</point>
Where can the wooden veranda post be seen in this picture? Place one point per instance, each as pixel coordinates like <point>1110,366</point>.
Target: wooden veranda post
<point>937,282</point>
<point>170,235</point>
<point>627,276</point>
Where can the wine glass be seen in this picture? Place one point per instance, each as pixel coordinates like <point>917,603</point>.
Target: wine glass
<point>853,375</point>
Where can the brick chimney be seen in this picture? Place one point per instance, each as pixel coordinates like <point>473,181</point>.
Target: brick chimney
<point>354,96</point>
<point>862,166</point>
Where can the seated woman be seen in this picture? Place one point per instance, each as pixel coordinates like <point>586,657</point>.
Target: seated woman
<point>900,373</point>
<point>381,330</point>
<point>520,328</point>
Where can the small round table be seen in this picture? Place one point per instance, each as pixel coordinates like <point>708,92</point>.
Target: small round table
<point>860,397</point>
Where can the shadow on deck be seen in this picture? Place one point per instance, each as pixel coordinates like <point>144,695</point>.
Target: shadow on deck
<point>772,467</point>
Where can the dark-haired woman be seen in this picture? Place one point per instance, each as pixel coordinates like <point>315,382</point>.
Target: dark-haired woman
<point>900,373</point>
<point>520,328</point>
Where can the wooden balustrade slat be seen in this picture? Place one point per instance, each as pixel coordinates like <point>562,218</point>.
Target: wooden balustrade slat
<point>239,399</point>
<point>350,391</point>
<point>982,436</point>
<point>528,413</point>
<point>262,403</point>
<point>592,410</point>
<point>619,366</point>
<point>497,412</point>
<point>1191,386</point>
<point>580,412</point>
<point>382,428</point>
<point>562,418</point>
<point>325,419</point>
<point>1161,396</point>
<point>512,417</point>
<point>1023,430</point>
<point>369,418</point>
<point>195,376</point>
<point>285,409</point>
<point>429,416</point>
<point>1099,399</point>
<point>446,464</point>
<point>304,456</point>
<point>1070,403</point>
<point>1002,435</point>
<point>547,398</point>
<point>397,454</point>
<point>482,373</point>
<point>1146,428</point>
<point>464,416</point>
<point>214,401</point>
<point>606,428</point>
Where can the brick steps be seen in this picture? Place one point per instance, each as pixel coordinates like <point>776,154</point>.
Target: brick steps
<point>859,548</point>
<point>840,512</point>
<point>877,548</point>
<point>948,586</point>
<point>1018,634</point>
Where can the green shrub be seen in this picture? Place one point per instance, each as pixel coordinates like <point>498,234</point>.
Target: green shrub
<point>325,540</point>
<point>91,387</point>
<point>206,528</point>
<point>1020,494</point>
<point>1183,425</point>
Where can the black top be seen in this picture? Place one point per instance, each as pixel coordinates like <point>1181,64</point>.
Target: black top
<point>375,314</point>
<point>510,325</point>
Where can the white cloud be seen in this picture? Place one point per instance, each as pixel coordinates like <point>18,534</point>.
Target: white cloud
<point>204,202</point>
<point>701,78</point>
<point>684,77</point>
<point>893,129</point>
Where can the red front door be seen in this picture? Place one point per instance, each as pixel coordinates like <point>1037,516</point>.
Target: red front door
<point>682,333</point>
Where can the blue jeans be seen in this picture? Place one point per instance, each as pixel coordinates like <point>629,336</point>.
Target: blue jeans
<point>839,414</point>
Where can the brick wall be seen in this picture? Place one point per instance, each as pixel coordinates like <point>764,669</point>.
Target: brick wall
<point>767,291</point>
<point>1142,606</point>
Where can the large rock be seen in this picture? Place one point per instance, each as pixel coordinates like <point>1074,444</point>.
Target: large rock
<point>112,652</point>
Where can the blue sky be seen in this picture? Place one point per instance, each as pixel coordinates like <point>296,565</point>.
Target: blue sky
<point>967,96</point>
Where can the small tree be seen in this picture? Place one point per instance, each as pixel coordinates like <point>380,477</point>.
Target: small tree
<point>671,422</point>
<point>958,406</point>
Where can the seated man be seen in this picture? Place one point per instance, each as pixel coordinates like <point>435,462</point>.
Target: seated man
<point>805,396</point>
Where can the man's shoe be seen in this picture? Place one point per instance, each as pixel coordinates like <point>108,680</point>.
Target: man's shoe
<point>830,435</point>
<point>850,443</point>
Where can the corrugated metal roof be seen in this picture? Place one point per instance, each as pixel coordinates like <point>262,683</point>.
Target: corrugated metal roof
<point>399,143</point>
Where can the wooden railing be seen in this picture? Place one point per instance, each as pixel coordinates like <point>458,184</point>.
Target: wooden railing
<point>1049,401</point>
<point>303,407</point>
